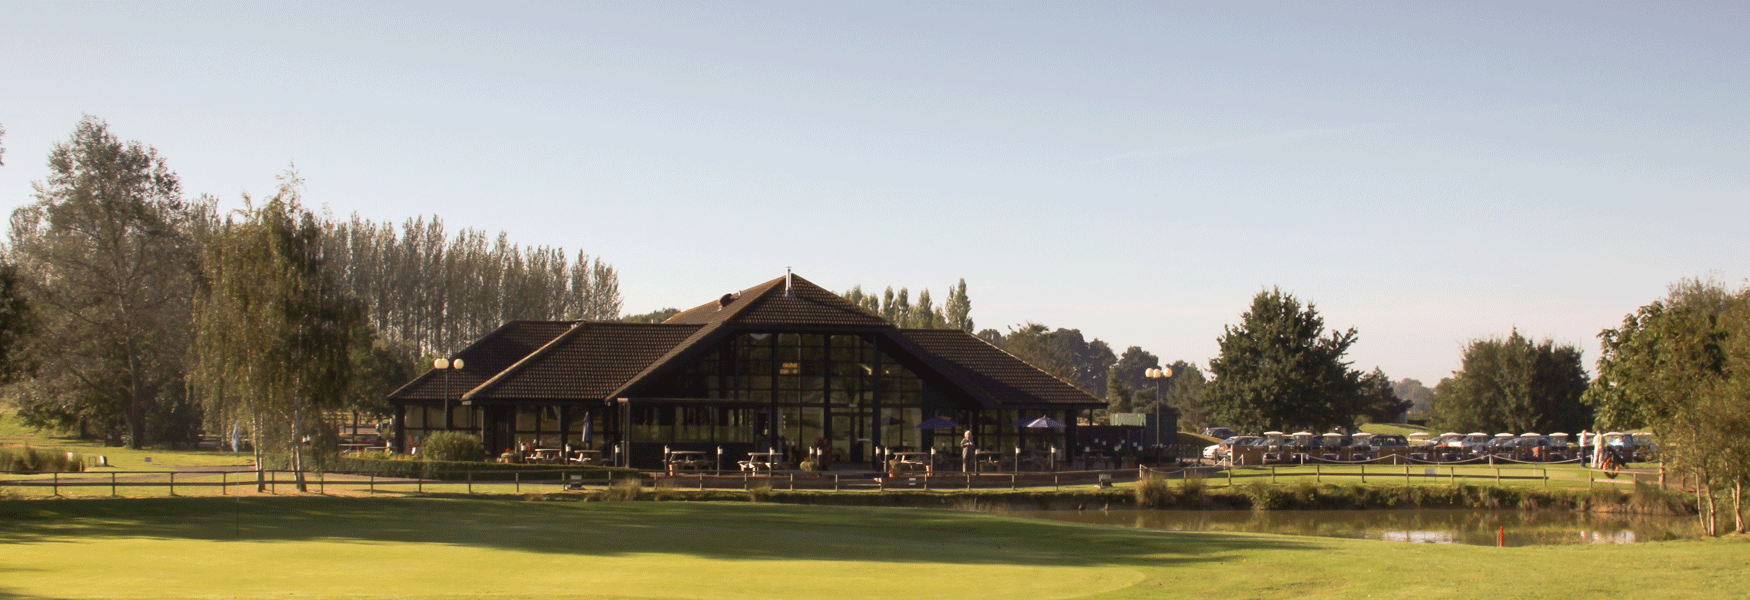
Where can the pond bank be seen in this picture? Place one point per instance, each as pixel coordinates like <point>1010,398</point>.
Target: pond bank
<point>1642,499</point>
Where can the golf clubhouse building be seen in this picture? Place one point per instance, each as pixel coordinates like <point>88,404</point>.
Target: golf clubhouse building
<point>785,366</point>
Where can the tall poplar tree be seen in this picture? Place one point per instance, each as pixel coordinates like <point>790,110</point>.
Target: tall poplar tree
<point>958,309</point>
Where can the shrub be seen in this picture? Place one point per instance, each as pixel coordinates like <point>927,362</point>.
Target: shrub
<point>1194,490</point>
<point>1154,492</point>
<point>759,492</point>
<point>31,460</point>
<point>1268,497</point>
<point>626,490</point>
<point>452,445</point>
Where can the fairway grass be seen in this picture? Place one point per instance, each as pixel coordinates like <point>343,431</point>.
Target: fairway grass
<point>317,547</point>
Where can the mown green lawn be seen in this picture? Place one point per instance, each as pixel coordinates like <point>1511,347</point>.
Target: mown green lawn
<point>13,432</point>
<point>316,547</point>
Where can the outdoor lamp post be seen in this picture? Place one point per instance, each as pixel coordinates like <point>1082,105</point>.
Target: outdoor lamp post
<point>446,366</point>
<point>1160,377</point>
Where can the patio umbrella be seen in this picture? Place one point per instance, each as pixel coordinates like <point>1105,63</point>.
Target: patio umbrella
<point>588,428</point>
<point>1043,422</point>
<point>1024,421</point>
<point>938,423</point>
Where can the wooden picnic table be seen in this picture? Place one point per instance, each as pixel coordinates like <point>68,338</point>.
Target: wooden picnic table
<point>586,457</point>
<point>688,460</point>
<point>763,461</point>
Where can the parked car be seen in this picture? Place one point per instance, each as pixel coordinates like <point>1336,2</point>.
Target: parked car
<point>1220,433</point>
<point>1225,448</point>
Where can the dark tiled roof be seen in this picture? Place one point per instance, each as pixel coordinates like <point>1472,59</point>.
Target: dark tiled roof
<point>769,304</point>
<point>581,361</point>
<point>484,358</point>
<point>991,376</point>
<point>588,362</point>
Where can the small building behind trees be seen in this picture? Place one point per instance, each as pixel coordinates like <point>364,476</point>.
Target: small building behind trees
<point>783,366</point>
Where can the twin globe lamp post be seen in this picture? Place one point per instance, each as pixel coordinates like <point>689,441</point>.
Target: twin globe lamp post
<point>1160,377</point>
<point>447,365</point>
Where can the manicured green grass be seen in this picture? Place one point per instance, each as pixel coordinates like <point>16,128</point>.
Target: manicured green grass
<point>315,547</point>
<point>14,432</point>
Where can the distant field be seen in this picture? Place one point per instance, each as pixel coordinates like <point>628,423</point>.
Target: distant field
<point>314,547</point>
<point>12,432</point>
<point>1397,428</point>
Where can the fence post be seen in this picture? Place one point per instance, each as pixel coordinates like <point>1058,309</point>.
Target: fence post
<point>224,478</point>
<point>968,483</point>
<point>1497,471</point>
<point>173,483</point>
<point>1406,473</point>
<point>1012,484</point>
<point>419,480</point>
<point>322,483</point>
<point>1318,473</point>
<point>516,476</point>
<point>373,483</point>
<point>1363,472</point>
<point>470,482</point>
<point>1230,477</point>
<point>1272,473</point>
<point>57,485</point>
<point>112,484</point>
<point>793,483</point>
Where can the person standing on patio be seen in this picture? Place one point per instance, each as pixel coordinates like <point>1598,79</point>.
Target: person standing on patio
<point>967,451</point>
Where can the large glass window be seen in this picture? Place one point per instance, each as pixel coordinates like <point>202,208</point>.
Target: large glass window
<point>813,388</point>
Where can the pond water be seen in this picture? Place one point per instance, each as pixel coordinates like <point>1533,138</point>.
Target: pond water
<point>1476,527</point>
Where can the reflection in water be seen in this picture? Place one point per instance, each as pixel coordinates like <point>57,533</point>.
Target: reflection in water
<point>1477,527</point>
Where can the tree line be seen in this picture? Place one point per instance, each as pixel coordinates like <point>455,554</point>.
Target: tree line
<point>124,314</point>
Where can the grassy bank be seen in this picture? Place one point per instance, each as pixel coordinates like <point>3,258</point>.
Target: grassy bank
<point>507,548</point>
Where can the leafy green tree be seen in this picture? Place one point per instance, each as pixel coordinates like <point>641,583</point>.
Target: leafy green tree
<point>1279,370</point>
<point>655,316</point>
<point>1418,395</point>
<point>924,315</point>
<point>1379,403</point>
<point>1513,385</point>
<point>103,256</point>
<point>275,335</point>
<point>1118,395</point>
<point>1675,366</point>
<point>18,323</point>
<point>958,310</point>
<point>1186,395</point>
<point>1063,353</point>
<point>1132,368</point>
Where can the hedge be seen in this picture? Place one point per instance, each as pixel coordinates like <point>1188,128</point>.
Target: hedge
<point>408,467</point>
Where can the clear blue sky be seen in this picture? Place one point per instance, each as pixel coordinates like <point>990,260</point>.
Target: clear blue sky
<point>1425,172</point>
